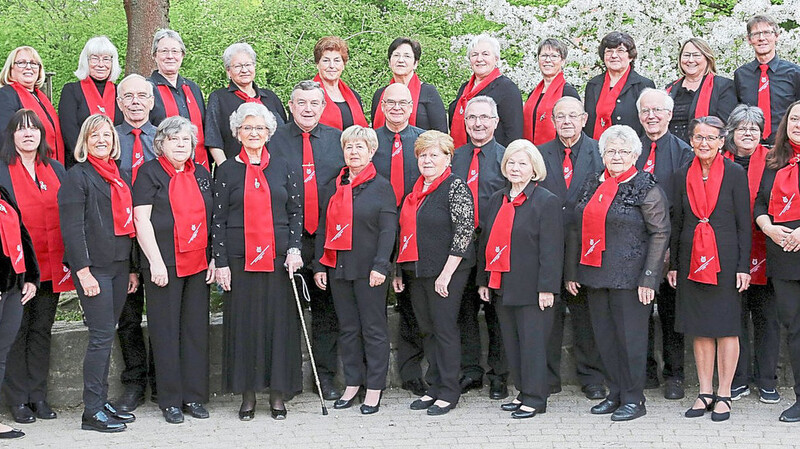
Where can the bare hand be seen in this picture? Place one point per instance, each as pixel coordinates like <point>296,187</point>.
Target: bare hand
<point>546,299</point>
<point>441,284</point>
<point>28,292</point>
<point>778,234</point>
<point>484,294</point>
<point>572,287</point>
<point>672,278</point>
<point>743,281</point>
<point>133,283</point>
<point>224,278</point>
<point>211,273</point>
<point>397,284</point>
<point>646,295</point>
<point>293,263</point>
<point>321,279</point>
<point>89,284</point>
<point>792,241</point>
<point>376,279</point>
<point>158,274</point>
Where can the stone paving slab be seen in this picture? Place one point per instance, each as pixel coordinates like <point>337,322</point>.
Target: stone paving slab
<point>477,422</point>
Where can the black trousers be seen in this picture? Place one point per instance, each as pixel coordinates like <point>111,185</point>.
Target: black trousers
<point>471,336</point>
<point>672,342</point>
<point>177,317</point>
<point>363,331</point>
<point>438,322</point>
<point>410,349</point>
<point>28,364</point>
<point>324,328</point>
<point>10,319</point>
<point>139,368</point>
<point>787,299</point>
<point>759,364</point>
<point>525,333</point>
<point>102,313</point>
<point>587,359</point>
<point>620,324</point>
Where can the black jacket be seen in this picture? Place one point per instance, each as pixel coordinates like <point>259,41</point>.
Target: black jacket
<point>625,113</point>
<point>723,100</point>
<point>430,111</point>
<point>72,112</point>
<point>8,277</point>
<point>509,108</point>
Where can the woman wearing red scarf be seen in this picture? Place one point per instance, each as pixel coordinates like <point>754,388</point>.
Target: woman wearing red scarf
<point>483,53</point>
<point>777,213</point>
<point>172,211</point>
<point>360,207</point>
<point>700,91</point>
<point>93,93</point>
<point>617,251</point>
<point>436,254</point>
<point>710,254</point>
<point>96,215</point>
<point>33,179</point>
<point>256,229</point>
<point>21,79</point>
<point>428,112</point>
<point>523,252</point>
<point>539,126</point>
<point>742,145</point>
<point>342,104</point>
<point>610,98</point>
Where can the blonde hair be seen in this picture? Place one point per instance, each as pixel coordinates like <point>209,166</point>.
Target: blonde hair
<point>5,74</point>
<point>537,162</point>
<point>90,125</point>
<point>434,139</point>
<point>357,132</point>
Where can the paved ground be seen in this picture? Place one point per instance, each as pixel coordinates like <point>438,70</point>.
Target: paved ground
<point>476,423</point>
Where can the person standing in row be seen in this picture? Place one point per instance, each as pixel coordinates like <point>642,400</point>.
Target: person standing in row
<point>342,104</point>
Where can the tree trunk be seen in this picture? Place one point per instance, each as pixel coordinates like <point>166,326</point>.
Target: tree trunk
<point>144,18</point>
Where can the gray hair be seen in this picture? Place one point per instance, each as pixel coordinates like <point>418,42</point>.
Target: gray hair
<point>742,114</point>
<point>308,85</point>
<point>357,132</point>
<point>133,76</point>
<point>172,34</point>
<point>171,126</point>
<point>253,110</point>
<point>98,45</point>
<point>623,133</point>
<point>235,49</point>
<point>493,42</point>
<point>555,44</point>
<point>669,103</point>
<point>535,157</point>
<point>484,99</point>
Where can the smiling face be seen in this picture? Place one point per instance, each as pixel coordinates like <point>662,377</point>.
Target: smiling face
<point>402,61</point>
<point>397,105</point>
<point>169,56</point>
<point>706,142</point>
<point>519,168</point>
<point>693,62</point>
<point>253,133</point>
<point>330,66</point>
<point>135,100</point>
<point>178,148</point>
<point>27,139</point>
<point>763,39</point>
<point>28,74</point>
<point>480,122</point>
<point>617,157</point>
<point>550,62</point>
<point>432,162</point>
<point>746,137</point>
<point>357,154</point>
<point>617,59</point>
<point>306,108</point>
<point>793,125</point>
<point>242,69</point>
<point>569,119</point>
<point>100,66</point>
<point>654,115</point>
<point>100,142</point>
<point>482,59</point>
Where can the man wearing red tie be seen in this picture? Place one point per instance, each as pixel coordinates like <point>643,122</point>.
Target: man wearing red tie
<point>136,134</point>
<point>663,154</point>
<point>478,164</point>
<point>769,82</point>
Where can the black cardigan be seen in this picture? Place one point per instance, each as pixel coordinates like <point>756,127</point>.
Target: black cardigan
<point>509,108</point>
<point>72,112</point>
<point>625,112</point>
<point>8,277</point>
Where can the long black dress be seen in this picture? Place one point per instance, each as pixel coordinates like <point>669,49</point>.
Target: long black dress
<point>261,328</point>
<point>705,310</point>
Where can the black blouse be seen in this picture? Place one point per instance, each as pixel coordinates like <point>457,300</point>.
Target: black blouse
<point>430,110</point>
<point>781,264</point>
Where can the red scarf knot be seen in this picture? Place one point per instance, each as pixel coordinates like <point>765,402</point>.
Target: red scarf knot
<point>121,201</point>
<point>408,251</point>
<point>785,192</point>
<point>606,103</point>
<point>458,129</point>
<point>195,116</point>
<point>332,115</point>
<point>542,114</point>
<point>498,247</point>
<point>703,195</point>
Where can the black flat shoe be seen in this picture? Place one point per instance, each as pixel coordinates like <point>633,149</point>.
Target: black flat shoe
<point>130,399</point>
<point>605,407</point>
<point>100,422</point>
<point>724,416</point>
<point>498,389</point>
<point>195,409</point>
<point>342,404</point>
<point>510,406</point>
<point>525,414</point>
<point>416,386</point>
<point>435,410</point>
<point>629,412</point>
<point>120,416</point>
<point>42,410</point>
<point>594,391</point>
<point>370,409</point>
<point>698,412</point>
<point>278,413</point>
<point>22,414</point>
<point>673,389</point>
<point>467,383</point>
<point>328,390</point>
<point>173,415</point>
<point>13,433</point>
<point>791,414</point>
<point>247,414</point>
<point>419,404</point>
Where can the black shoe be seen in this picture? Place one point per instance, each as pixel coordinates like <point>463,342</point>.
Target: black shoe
<point>416,386</point>
<point>195,409</point>
<point>101,422</point>
<point>673,389</point>
<point>13,433</point>
<point>498,389</point>
<point>131,398</point>
<point>594,391</point>
<point>708,402</point>
<point>791,414</point>
<point>247,415</point>
<point>555,389</point>
<point>605,407</point>
<point>42,410</point>
<point>342,404</point>
<point>278,414</point>
<point>510,406</point>
<point>371,409</point>
<point>435,410</point>
<point>22,414</point>
<point>467,383</point>
<point>173,415</point>
<point>120,416</point>
<point>651,383</point>
<point>328,389</point>
<point>717,417</point>
<point>629,412</point>
<point>419,404</point>
<point>524,414</point>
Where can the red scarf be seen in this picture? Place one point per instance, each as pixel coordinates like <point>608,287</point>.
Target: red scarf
<point>498,247</point>
<point>11,234</point>
<point>247,98</point>
<point>121,203</point>
<point>189,213</point>
<point>408,217</point>
<point>38,205</point>
<point>171,109</point>
<point>415,85</point>
<point>593,232</point>
<point>704,95</point>
<point>47,114</point>
<point>97,104</point>
<point>543,115</point>
<point>458,129</point>
<point>339,216</point>
<point>785,192</point>
<point>259,231</point>
<point>332,115</point>
<point>703,196</point>
<point>606,103</point>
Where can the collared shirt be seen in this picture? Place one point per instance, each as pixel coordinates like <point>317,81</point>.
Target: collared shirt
<point>383,157</point>
<point>490,178</point>
<point>672,153</point>
<point>158,114</point>
<point>126,139</point>
<point>784,87</point>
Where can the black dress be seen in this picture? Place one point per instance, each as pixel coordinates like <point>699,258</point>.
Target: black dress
<point>261,328</point>
<point>705,310</point>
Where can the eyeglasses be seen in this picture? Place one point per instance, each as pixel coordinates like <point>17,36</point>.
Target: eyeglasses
<point>571,117</point>
<point>23,64</point>
<point>482,117</point>
<point>95,60</point>
<point>249,129</point>
<point>657,111</point>
<point>760,34</point>
<point>402,103</point>
<point>621,153</point>
<point>141,96</point>
<point>550,56</point>
<point>696,138</point>
<point>170,51</point>
<point>621,50</point>
<point>402,56</point>
<point>688,56</point>
<point>753,131</point>
<point>241,67</point>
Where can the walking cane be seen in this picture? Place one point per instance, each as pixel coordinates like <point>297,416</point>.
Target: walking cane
<point>308,342</point>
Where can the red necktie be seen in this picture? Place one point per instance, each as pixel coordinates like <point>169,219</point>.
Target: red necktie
<point>567,166</point>
<point>311,204</point>
<point>137,158</point>
<point>472,180</point>
<point>398,183</point>
<point>650,165</point>
<point>763,99</point>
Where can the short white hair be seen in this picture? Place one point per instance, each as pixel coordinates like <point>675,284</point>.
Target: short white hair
<point>624,134</point>
<point>100,46</point>
<point>235,49</point>
<point>669,103</point>
<point>133,76</point>
<point>253,110</point>
<point>493,42</point>
<point>484,99</point>
<point>172,34</point>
